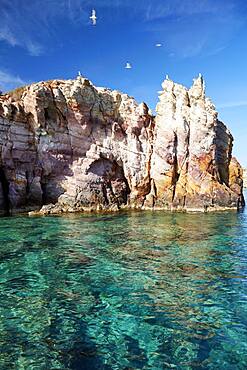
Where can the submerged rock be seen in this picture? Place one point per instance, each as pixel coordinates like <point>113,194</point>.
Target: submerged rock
<point>66,146</point>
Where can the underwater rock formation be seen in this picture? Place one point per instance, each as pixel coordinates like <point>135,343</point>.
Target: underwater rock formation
<point>66,145</point>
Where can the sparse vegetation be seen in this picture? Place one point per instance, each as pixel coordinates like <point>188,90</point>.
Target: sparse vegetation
<point>16,94</point>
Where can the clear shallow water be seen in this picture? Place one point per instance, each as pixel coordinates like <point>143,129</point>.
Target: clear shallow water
<point>126,291</point>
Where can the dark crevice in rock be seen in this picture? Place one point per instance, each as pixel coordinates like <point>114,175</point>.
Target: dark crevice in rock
<point>46,114</point>
<point>28,184</point>
<point>44,193</point>
<point>187,155</point>
<point>104,192</point>
<point>175,174</point>
<point>153,192</point>
<point>222,156</point>
<point>5,190</point>
<point>127,192</point>
<point>151,183</point>
<point>184,201</point>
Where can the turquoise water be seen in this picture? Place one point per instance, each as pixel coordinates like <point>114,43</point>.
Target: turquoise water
<point>137,290</point>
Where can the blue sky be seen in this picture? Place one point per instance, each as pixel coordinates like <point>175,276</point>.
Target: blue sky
<point>46,39</point>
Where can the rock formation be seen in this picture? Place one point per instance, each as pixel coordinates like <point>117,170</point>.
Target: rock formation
<point>69,146</point>
<point>245,178</point>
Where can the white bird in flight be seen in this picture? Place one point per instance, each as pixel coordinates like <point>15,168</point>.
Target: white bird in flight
<point>93,17</point>
<point>128,65</point>
<point>158,45</point>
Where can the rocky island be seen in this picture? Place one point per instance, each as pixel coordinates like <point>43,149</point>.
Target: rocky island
<point>67,146</point>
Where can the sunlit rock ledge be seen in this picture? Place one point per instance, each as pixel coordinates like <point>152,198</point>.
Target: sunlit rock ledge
<point>68,146</point>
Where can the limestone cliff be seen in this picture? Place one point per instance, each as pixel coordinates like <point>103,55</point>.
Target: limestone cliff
<point>70,146</point>
<point>245,178</point>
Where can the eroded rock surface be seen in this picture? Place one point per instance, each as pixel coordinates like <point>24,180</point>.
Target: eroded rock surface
<point>245,178</point>
<point>69,146</point>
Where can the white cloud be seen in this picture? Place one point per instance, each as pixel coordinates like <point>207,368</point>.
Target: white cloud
<point>9,81</point>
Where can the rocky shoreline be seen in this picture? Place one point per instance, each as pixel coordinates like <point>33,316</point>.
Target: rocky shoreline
<point>68,146</point>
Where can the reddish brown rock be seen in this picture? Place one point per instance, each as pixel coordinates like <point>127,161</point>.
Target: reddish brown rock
<point>70,146</point>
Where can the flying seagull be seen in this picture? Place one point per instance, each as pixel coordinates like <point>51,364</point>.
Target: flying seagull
<point>128,65</point>
<point>158,45</point>
<point>93,17</point>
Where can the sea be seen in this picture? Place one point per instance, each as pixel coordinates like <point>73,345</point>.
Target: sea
<point>130,290</point>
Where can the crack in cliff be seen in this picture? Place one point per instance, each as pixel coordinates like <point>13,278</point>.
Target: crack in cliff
<point>175,174</point>
<point>60,113</point>
<point>65,120</point>
<point>5,190</point>
<point>186,161</point>
<point>90,112</point>
<point>152,187</point>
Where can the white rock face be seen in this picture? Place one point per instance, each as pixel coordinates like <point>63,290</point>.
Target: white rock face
<point>79,147</point>
<point>192,151</point>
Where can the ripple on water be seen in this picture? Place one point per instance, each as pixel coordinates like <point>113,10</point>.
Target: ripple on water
<point>125,291</point>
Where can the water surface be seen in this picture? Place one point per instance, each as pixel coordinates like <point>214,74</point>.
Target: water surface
<point>136,290</point>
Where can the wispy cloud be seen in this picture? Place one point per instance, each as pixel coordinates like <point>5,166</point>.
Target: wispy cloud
<point>9,81</point>
<point>191,28</point>
<point>34,48</point>
<point>185,8</point>
<point>6,35</point>
<point>188,27</point>
<point>26,23</point>
<point>234,104</point>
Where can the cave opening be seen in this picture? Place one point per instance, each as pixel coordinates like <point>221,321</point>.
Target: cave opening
<point>114,186</point>
<point>5,189</point>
